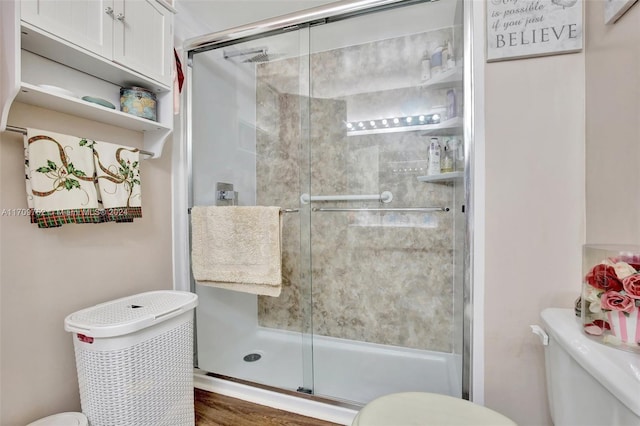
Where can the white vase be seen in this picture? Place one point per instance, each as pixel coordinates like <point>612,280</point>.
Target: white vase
<point>626,328</point>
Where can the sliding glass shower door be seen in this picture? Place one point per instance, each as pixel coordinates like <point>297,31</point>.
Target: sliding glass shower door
<point>352,124</point>
<point>249,147</point>
<point>386,273</point>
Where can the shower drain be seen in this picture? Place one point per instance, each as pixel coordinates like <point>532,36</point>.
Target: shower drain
<point>252,357</point>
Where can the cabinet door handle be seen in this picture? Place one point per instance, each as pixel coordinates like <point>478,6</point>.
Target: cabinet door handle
<point>109,11</point>
<point>120,17</point>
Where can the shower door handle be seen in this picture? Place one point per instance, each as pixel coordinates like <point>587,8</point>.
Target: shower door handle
<point>384,197</point>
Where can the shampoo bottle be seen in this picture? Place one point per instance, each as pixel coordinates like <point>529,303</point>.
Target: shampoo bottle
<point>452,106</point>
<point>436,60</point>
<point>457,149</point>
<point>445,57</point>
<point>434,157</point>
<point>451,59</point>
<point>447,160</point>
<point>425,67</point>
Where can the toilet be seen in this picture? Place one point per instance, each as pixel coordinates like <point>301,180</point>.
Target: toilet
<point>426,409</point>
<point>62,419</point>
<point>588,383</point>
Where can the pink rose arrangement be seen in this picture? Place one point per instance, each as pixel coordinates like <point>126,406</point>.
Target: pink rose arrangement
<point>612,295</point>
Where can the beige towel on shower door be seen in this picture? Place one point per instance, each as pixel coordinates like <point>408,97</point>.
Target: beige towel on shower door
<point>237,248</point>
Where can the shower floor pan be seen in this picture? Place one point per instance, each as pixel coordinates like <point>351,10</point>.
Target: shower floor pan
<point>345,370</point>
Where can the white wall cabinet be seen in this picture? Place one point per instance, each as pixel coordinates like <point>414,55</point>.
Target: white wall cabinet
<point>133,33</point>
<point>90,48</point>
<point>143,37</point>
<point>83,23</point>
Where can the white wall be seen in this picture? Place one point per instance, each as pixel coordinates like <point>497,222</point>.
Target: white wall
<point>224,134</point>
<point>530,221</point>
<point>224,150</point>
<point>535,201</point>
<point>613,126</point>
<point>557,128</point>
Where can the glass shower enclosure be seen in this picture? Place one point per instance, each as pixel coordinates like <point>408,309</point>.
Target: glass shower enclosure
<point>351,121</point>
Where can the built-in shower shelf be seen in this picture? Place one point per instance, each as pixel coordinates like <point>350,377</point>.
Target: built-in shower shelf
<point>443,79</point>
<point>446,128</point>
<point>442,177</point>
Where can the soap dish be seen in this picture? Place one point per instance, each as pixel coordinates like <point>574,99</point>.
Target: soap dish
<point>99,101</point>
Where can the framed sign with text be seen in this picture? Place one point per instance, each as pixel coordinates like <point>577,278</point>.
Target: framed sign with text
<point>526,28</point>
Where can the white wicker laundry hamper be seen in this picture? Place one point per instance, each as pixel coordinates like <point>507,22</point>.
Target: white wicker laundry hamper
<point>134,358</point>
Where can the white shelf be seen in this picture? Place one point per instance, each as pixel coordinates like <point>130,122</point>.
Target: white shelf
<point>442,177</point>
<point>446,128</point>
<point>154,133</point>
<point>446,78</point>
<point>51,47</point>
<point>34,95</point>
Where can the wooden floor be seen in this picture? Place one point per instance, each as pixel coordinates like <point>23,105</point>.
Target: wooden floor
<point>218,410</point>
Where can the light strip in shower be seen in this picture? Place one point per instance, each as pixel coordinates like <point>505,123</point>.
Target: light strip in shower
<point>392,122</point>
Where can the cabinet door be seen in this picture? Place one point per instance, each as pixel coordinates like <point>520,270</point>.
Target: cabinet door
<point>143,37</point>
<point>85,23</point>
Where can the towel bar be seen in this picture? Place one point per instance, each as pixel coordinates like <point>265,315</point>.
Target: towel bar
<point>282,210</point>
<point>396,209</point>
<point>24,132</point>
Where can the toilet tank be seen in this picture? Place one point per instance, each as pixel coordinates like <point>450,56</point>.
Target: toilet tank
<point>588,383</point>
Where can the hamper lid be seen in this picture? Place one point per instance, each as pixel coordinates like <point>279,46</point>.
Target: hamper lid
<point>130,314</point>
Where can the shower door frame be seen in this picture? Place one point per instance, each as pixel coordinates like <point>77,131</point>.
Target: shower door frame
<point>325,14</point>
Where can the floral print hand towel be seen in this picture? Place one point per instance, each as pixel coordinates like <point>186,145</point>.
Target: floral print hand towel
<point>60,179</point>
<point>118,180</point>
<point>78,180</point>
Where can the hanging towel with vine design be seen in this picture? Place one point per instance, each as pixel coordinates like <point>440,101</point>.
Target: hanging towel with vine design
<point>118,180</point>
<point>78,180</point>
<point>60,180</point>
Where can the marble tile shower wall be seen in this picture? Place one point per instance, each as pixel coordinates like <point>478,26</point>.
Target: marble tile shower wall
<point>377,277</point>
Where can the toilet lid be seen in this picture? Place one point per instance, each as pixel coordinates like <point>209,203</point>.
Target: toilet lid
<point>421,408</point>
<point>62,419</point>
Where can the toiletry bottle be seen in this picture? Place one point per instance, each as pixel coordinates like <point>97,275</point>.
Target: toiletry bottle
<point>436,60</point>
<point>445,57</point>
<point>425,67</point>
<point>451,59</point>
<point>434,157</point>
<point>457,150</point>
<point>447,159</point>
<point>452,107</point>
